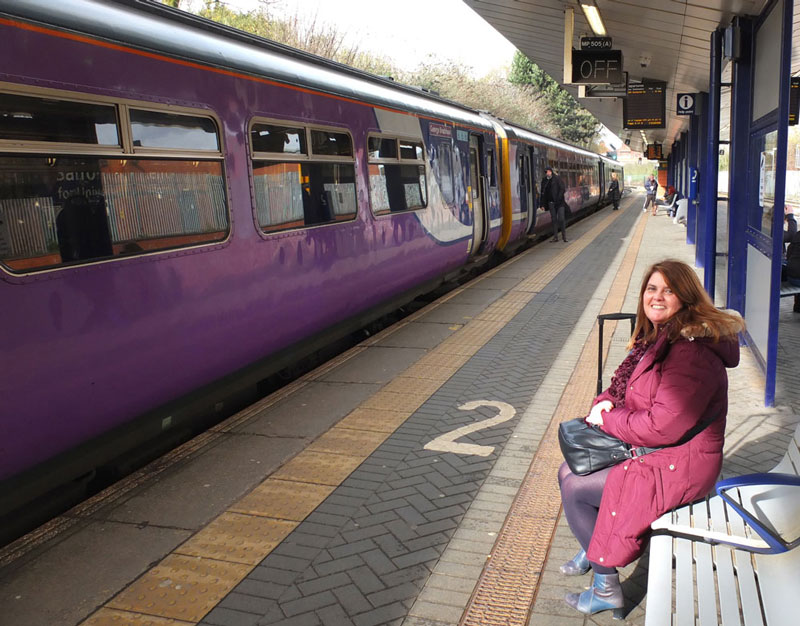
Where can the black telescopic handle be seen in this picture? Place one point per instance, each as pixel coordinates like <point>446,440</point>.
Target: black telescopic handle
<point>601,320</point>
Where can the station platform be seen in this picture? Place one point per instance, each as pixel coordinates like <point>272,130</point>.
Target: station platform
<point>410,481</point>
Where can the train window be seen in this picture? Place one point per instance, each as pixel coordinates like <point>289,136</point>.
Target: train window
<point>298,194</point>
<point>63,209</point>
<point>24,118</point>
<point>490,168</point>
<point>444,159</point>
<point>331,144</point>
<point>411,150</point>
<point>316,187</point>
<point>396,184</point>
<point>381,148</point>
<point>280,139</point>
<point>63,205</point>
<point>156,129</point>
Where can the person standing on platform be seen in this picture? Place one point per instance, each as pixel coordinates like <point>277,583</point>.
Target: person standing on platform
<point>613,190</point>
<point>670,393</point>
<point>650,188</point>
<point>552,198</point>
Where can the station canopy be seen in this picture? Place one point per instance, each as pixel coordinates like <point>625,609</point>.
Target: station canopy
<point>660,40</point>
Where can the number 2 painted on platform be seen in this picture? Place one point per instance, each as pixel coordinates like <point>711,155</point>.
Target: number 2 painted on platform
<point>448,443</point>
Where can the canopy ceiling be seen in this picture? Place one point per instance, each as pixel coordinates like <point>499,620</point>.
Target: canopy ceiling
<point>675,37</point>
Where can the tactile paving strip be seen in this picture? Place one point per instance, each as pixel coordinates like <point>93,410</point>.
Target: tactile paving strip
<point>508,585</point>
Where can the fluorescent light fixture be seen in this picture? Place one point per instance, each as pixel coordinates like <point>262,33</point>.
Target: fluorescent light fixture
<point>592,14</point>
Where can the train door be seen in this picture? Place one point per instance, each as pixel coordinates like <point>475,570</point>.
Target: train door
<point>528,188</point>
<point>477,183</point>
<point>601,177</point>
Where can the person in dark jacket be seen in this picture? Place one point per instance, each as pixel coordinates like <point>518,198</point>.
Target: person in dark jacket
<point>650,188</point>
<point>613,190</point>
<point>671,390</point>
<point>552,199</point>
<point>792,266</point>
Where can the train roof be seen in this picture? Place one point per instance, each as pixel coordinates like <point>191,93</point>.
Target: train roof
<point>518,132</point>
<point>155,27</point>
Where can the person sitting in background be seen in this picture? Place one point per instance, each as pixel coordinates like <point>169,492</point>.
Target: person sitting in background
<point>792,267</point>
<point>789,231</point>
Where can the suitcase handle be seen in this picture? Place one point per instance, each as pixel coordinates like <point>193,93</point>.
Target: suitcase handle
<point>601,319</point>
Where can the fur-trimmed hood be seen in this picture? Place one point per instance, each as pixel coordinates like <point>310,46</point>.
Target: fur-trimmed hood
<point>729,329</point>
<point>727,348</point>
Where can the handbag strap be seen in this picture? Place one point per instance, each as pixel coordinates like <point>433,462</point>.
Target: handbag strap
<point>642,450</point>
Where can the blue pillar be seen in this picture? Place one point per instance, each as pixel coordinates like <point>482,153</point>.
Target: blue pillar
<point>701,236</point>
<point>685,163</point>
<point>692,165</point>
<point>739,151</point>
<point>780,197</point>
<point>710,182</point>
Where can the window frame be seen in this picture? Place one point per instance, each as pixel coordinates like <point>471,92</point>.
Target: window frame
<point>310,157</point>
<point>126,149</point>
<point>399,160</point>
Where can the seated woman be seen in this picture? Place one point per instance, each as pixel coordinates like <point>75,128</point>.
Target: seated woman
<point>670,392</point>
<point>793,266</point>
<point>670,200</point>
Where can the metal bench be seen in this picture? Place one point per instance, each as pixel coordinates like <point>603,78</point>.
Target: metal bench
<point>731,558</point>
<point>681,212</point>
<point>788,289</point>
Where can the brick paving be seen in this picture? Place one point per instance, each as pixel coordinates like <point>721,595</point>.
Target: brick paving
<point>400,520</point>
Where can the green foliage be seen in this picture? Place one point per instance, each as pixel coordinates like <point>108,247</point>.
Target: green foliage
<point>528,96</point>
<point>575,123</point>
<point>313,37</point>
<point>490,93</point>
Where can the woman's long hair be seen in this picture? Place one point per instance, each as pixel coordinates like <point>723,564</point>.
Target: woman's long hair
<point>697,311</point>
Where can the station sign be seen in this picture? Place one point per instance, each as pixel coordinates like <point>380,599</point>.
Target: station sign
<point>645,105</point>
<point>654,152</point>
<point>794,101</point>
<point>605,91</point>
<point>595,43</point>
<point>686,103</point>
<point>591,67</point>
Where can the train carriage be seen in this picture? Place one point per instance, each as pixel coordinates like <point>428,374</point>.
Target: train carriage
<point>186,209</point>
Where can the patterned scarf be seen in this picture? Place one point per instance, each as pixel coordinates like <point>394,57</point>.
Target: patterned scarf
<point>619,382</point>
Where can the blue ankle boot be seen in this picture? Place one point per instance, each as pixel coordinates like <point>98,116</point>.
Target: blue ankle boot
<point>606,593</point>
<point>577,566</point>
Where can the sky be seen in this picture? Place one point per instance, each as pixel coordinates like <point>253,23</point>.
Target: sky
<point>409,32</point>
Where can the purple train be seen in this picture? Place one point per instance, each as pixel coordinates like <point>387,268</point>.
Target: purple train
<point>185,209</point>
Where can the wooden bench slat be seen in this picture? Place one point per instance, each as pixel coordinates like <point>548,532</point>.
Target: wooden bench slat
<point>659,582</point>
<point>706,584</point>
<point>684,578</point>
<point>748,589</point>
<point>726,582</point>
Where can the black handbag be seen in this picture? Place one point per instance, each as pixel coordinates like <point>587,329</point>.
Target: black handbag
<point>587,449</point>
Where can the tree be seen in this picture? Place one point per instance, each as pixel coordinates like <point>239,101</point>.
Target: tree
<point>575,123</point>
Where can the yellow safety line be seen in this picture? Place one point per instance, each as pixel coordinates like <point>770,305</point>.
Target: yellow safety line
<point>509,582</point>
<point>192,580</point>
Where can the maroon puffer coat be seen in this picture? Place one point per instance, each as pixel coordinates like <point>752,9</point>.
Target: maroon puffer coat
<point>673,388</point>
